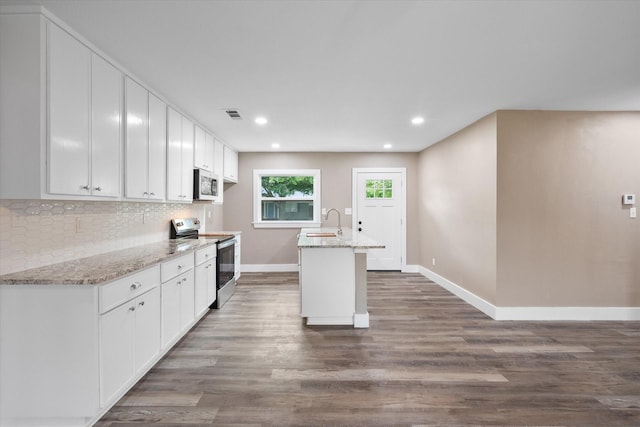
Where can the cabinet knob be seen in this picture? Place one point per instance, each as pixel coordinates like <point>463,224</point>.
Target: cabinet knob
<point>132,308</point>
<point>359,228</point>
<point>141,303</point>
<point>145,193</point>
<point>85,187</point>
<point>152,194</point>
<point>98,188</point>
<point>135,285</point>
<point>180,266</point>
<point>184,280</point>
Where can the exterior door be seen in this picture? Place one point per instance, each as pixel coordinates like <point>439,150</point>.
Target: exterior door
<point>379,200</point>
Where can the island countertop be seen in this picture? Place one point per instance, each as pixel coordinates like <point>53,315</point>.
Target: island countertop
<point>347,239</point>
<point>108,266</point>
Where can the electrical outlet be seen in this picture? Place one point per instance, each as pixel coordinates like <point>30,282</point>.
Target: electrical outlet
<point>324,211</point>
<point>433,261</point>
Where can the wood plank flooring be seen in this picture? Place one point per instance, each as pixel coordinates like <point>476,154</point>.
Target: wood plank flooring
<point>427,359</point>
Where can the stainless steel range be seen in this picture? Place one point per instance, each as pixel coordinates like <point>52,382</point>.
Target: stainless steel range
<point>188,228</point>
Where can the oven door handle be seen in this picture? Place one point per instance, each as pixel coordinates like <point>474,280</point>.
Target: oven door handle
<point>226,243</point>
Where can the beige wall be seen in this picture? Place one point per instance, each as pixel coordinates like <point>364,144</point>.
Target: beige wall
<point>564,238</point>
<point>523,208</point>
<point>457,211</point>
<point>278,246</point>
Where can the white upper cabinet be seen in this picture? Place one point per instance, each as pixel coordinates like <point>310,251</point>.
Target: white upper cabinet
<point>179,157</point>
<point>203,150</point>
<point>136,140</point>
<point>145,143</point>
<point>157,148</point>
<point>106,119</point>
<point>230,165</point>
<point>69,77</point>
<point>85,94</point>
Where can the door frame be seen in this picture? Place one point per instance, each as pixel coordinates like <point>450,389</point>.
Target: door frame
<point>403,205</point>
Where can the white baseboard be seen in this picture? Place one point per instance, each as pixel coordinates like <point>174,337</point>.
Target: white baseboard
<point>268,268</point>
<point>411,269</point>
<point>361,320</point>
<point>469,297</point>
<point>533,313</point>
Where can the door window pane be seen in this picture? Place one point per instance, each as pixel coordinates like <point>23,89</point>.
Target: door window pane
<point>379,189</point>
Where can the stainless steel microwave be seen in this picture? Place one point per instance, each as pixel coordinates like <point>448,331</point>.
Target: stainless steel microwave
<point>206,186</point>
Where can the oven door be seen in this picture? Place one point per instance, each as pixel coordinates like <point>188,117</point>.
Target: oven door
<point>226,262</point>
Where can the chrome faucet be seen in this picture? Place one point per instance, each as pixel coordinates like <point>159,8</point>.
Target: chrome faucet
<point>326,217</point>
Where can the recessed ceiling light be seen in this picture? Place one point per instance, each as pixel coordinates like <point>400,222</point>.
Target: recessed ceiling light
<point>275,145</point>
<point>261,121</point>
<point>417,120</point>
<point>387,146</point>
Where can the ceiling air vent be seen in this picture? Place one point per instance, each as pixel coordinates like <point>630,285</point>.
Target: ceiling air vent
<point>234,114</point>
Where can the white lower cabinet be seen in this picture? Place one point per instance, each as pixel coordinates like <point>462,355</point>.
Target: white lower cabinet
<point>177,298</point>
<point>205,277</point>
<point>129,341</point>
<point>129,333</point>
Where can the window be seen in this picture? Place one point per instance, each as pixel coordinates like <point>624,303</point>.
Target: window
<point>379,189</point>
<point>286,198</point>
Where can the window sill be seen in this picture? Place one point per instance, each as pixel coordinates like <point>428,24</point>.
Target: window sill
<point>287,224</point>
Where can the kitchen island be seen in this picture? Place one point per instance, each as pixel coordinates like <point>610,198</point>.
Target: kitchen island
<point>333,276</point>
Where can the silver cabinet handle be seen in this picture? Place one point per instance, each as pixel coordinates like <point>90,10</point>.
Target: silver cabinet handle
<point>135,285</point>
<point>184,280</point>
<point>152,194</point>
<point>141,303</point>
<point>145,193</point>
<point>85,187</point>
<point>180,266</point>
<point>98,188</point>
<point>132,308</point>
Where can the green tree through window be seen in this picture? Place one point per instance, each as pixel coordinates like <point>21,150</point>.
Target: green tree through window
<point>287,186</point>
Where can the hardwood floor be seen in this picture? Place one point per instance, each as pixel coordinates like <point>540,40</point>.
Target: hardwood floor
<point>427,359</point>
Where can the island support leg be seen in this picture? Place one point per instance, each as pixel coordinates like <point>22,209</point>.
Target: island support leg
<point>361,315</point>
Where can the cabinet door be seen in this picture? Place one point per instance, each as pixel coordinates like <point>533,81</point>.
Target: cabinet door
<point>170,310</point>
<point>116,349</point>
<point>69,92</point>
<point>187,159</point>
<point>201,296</point>
<point>157,147</point>
<point>218,158</point>
<point>200,149</point>
<point>106,113</point>
<point>147,331</point>
<point>209,151</point>
<point>187,300</point>
<point>211,283</point>
<point>136,137</point>
<point>230,165</point>
<point>174,155</point>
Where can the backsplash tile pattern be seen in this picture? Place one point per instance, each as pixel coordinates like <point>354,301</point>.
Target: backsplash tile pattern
<point>34,233</point>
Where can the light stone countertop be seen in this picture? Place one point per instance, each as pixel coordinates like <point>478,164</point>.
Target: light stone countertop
<point>346,240</point>
<point>102,268</point>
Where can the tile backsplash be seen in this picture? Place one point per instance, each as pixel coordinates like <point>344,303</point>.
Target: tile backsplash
<point>34,233</point>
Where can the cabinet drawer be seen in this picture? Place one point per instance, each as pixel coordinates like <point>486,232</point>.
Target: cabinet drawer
<point>175,267</point>
<point>122,290</point>
<point>206,254</point>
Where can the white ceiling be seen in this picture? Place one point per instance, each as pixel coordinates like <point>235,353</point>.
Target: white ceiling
<point>350,75</point>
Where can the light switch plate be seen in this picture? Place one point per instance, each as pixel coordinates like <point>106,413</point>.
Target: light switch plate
<point>633,213</point>
<point>347,211</point>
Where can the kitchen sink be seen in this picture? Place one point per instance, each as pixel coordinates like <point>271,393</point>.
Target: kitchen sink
<point>321,234</point>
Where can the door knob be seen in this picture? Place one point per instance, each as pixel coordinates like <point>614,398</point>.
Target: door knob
<point>360,222</point>
<point>359,228</point>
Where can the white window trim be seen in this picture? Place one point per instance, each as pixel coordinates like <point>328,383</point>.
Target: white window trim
<point>257,198</point>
